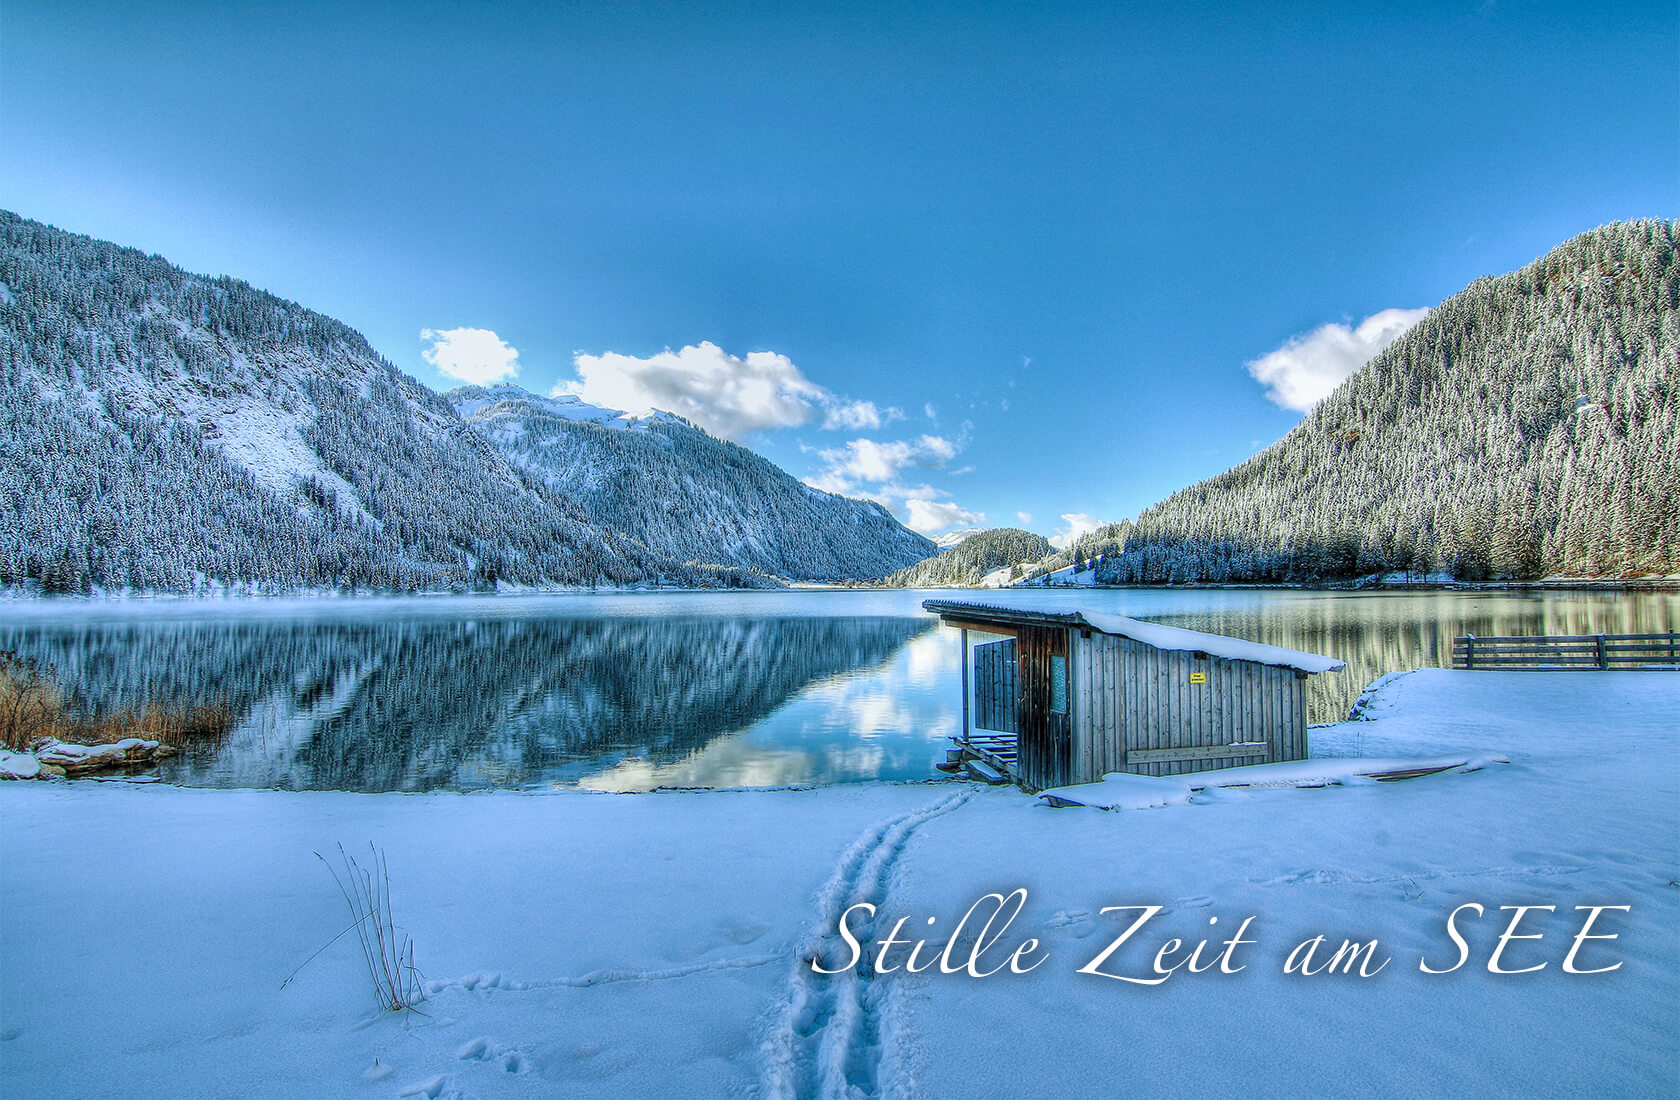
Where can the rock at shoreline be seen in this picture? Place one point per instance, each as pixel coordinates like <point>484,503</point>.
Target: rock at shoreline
<point>18,765</point>
<point>63,758</point>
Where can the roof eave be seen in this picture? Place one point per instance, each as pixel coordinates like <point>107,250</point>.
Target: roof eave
<point>979,613</point>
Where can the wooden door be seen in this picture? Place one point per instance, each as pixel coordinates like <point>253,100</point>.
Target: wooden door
<point>1043,697</point>
<point>995,669</point>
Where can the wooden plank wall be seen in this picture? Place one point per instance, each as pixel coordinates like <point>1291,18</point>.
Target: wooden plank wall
<point>994,686</point>
<point>1046,738</point>
<point>1131,699</point>
<point>1099,732</point>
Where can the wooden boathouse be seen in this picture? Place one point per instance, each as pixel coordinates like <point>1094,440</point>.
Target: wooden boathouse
<point>1053,698</point>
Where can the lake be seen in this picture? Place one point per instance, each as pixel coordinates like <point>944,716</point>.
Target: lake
<point>629,692</point>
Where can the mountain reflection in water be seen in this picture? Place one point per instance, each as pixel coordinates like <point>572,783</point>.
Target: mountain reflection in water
<point>635,691</point>
<point>441,703</point>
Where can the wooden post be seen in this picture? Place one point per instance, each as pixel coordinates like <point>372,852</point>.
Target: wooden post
<point>964,633</point>
<point>1603,661</point>
<point>1470,651</point>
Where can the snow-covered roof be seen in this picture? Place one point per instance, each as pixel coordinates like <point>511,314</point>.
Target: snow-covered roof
<point>1150,634</point>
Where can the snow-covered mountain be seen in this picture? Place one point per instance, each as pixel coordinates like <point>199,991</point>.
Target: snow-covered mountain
<point>685,493</point>
<point>1527,427</point>
<point>161,430</point>
<point>468,401</point>
<point>956,538</point>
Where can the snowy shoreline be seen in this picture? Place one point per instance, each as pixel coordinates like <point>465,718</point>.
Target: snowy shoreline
<point>1668,583</point>
<point>656,946</point>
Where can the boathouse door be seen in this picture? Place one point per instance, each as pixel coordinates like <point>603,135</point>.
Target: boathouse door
<point>995,665</point>
<point>1042,701</point>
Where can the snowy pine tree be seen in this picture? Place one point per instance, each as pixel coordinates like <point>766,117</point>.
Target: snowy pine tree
<point>1529,426</point>
<point>164,431</point>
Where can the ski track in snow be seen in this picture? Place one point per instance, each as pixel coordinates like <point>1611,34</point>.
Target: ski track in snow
<point>833,1037</point>
<point>828,1038</point>
<point>828,1041</point>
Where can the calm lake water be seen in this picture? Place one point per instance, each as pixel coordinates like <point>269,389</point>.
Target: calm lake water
<point>637,691</point>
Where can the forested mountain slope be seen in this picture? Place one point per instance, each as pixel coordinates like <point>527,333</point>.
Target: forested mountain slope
<point>1529,426</point>
<point>167,431</point>
<point>970,560</point>
<point>685,493</point>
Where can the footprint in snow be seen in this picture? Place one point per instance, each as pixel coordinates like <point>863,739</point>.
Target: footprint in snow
<point>429,1090</point>
<point>509,1058</point>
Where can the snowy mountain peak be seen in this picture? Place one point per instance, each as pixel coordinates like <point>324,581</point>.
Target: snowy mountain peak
<point>686,493</point>
<point>206,435</point>
<point>951,539</point>
<point>468,401</point>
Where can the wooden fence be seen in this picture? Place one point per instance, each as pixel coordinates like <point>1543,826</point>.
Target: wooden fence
<point>1568,651</point>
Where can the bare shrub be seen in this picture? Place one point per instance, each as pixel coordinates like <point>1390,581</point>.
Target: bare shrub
<point>31,706</point>
<point>390,958</point>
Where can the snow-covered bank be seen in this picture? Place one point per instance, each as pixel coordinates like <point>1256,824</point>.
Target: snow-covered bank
<point>598,945</point>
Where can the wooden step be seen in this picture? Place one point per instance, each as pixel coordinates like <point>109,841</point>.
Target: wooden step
<point>985,773</point>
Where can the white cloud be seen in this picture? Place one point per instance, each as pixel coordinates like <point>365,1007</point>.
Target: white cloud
<point>1074,525</point>
<point>830,481</point>
<point>1025,518</point>
<point>1307,367</point>
<point>932,517</point>
<point>868,460</point>
<point>859,415</point>
<point>913,492</point>
<point>869,469</point>
<point>474,355</point>
<point>930,412</point>
<point>732,396</point>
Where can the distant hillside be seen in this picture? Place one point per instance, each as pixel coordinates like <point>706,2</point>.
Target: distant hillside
<point>164,431</point>
<point>687,494</point>
<point>1529,426</point>
<point>969,561</point>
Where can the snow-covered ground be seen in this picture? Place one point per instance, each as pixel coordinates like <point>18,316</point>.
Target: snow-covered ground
<point>1066,577</point>
<point>654,945</point>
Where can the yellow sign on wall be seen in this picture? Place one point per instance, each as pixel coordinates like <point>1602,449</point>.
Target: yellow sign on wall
<point>1198,677</point>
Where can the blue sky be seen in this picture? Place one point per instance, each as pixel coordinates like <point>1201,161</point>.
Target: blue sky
<point>979,260</point>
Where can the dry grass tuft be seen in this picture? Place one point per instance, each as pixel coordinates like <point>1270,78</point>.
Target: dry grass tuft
<point>389,957</point>
<point>34,708</point>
